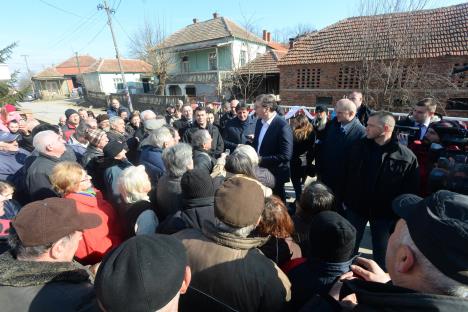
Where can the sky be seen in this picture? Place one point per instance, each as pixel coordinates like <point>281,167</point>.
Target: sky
<point>51,31</point>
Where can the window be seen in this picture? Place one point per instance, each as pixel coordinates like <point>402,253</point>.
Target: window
<point>348,78</point>
<point>212,61</point>
<point>190,91</point>
<point>308,78</point>
<point>118,83</point>
<point>460,79</point>
<point>185,64</point>
<point>243,58</point>
<point>324,100</point>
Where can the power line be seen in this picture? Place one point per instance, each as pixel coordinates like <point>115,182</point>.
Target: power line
<point>94,37</point>
<point>123,29</point>
<point>73,30</point>
<point>60,9</point>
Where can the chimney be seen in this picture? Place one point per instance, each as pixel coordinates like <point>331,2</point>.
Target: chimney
<point>291,43</point>
<point>268,37</point>
<point>195,20</point>
<point>264,37</point>
<point>215,15</point>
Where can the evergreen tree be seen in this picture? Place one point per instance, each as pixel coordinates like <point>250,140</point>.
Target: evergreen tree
<point>8,91</point>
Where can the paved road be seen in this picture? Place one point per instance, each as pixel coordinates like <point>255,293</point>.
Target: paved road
<point>50,111</point>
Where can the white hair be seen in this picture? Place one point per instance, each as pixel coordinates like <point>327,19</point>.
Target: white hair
<point>347,105</point>
<point>177,159</point>
<point>430,275</point>
<point>250,152</point>
<point>160,136</point>
<point>147,114</point>
<point>200,137</point>
<point>132,182</point>
<point>42,139</point>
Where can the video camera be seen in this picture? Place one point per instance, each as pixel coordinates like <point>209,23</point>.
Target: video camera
<point>411,133</point>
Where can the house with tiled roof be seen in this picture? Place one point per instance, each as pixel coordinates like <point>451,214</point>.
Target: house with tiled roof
<point>73,67</point>
<point>104,76</point>
<point>204,53</point>
<point>51,84</point>
<point>325,65</point>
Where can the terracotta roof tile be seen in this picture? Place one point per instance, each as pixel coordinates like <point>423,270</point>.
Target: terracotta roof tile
<point>112,66</point>
<point>263,64</point>
<point>50,72</point>
<point>423,34</point>
<point>70,67</point>
<point>211,29</point>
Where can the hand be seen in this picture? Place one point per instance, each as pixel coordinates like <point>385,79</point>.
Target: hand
<point>369,270</point>
<point>336,288</point>
<point>403,138</point>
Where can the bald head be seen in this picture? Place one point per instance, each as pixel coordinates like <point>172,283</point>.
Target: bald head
<point>50,143</point>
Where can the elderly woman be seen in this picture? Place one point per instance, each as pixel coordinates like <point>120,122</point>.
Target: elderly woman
<point>71,181</point>
<point>138,215</point>
<point>177,160</point>
<point>261,174</point>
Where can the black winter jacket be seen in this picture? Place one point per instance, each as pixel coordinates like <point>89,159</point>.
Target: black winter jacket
<point>217,145</point>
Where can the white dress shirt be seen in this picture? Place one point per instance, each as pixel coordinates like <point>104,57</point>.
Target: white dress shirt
<point>264,129</point>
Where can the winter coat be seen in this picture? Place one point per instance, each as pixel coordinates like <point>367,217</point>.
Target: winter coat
<point>44,286</point>
<point>111,112</point>
<point>363,114</point>
<point>236,131</point>
<point>168,196</point>
<point>193,215</point>
<point>135,213</point>
<point>233,271</point>
<point>91,153</point>
<point>332,154</point>
<point>302,155</point>
<point>112,169</point>
<point>217,143</point>
<point>97,241</point>
<point>151,158</point>
<point>397,173</point>
<point>37,181</point>
<point>264,176</point>
<point>182,125</point>
<point>202,160</point>
<point>387,297</point>
<point>11,163</point>
<point>223,120</point>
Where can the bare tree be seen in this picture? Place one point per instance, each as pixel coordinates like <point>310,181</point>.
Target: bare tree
<point>283,35</point>
<point>148,45</point>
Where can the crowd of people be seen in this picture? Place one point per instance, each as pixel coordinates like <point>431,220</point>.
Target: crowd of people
<point>134,211</point>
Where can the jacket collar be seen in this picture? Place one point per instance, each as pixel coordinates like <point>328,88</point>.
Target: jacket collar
<point>231,241</point>
<point>197,202</point>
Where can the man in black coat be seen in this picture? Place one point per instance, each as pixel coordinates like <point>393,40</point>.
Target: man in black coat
<point>239,130</point>
<point>363,111</point>
<point>273,141</point>
<point>229,115</point>
<point>217,144</point>
<point>332,151</point>
<point>185,121</point>
<point>379,170</point>
<point>423,114</point>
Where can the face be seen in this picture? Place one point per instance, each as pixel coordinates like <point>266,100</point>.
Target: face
<point>242,114</point>
<point>207,145</point>
<point>187,112</point>
<point>62,120</point>
<point>373,129</point>
<point>321,115</point>
<point>13,127</point>
<point>260,110</point>
<point>431,136</point>
<point>210,118</point>
<point>85,182</point>
<point>421,114</point>
<point>104,125</point>
<point>200,116</point>
<point>103,141</point>
<point>74,119</point>
<point>58,145</point>
<point>356,98</point>
<point>83,114</point>
<point>119,126</point>
<point>343,115</point>
<point>115,104</point>
<point>135,121</point>
<point>124,115</point>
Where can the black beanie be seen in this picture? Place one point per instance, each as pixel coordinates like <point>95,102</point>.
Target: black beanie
<point>112,149</point>
<point>197,183</point>
<point>332,237</point>
<point>143,274</point>
<point>70,112</point>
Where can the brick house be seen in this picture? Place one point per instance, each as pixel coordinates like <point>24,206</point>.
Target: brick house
<point>429,45</point>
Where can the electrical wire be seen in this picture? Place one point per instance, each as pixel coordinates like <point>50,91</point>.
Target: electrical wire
<point>60,9</point>
<point>94,38</point>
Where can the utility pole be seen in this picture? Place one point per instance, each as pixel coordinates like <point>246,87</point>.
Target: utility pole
<point>29,72</point>
<point>79,70</point>
<point>110,11</point>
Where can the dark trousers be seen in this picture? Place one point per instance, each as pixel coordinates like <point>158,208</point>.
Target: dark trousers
<point>298,176</point>
<point>279,191</point>
<point>381,228</point>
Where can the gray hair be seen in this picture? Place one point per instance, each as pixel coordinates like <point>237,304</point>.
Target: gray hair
<point>267,101</point>
<point>430,275</point>
<point>347,105</point>
<point>132,182</point>
<point>81,130</point>
<point>239,163</point>
<point>177,158</point>
<point>200,137</point>
<point>113,120</point>
<point>250,152</point>
<point>384,118</point>
<point>42,139</point>
<point>147,114</point>
<point>239,232</point>
<point>160,136</point>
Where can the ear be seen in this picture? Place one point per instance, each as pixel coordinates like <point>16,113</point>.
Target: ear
<point>57,249</point>
<point>405,259</point>
<point>49,147</point>
<point>186,281</point>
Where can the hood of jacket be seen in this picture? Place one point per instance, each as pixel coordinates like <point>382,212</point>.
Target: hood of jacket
<point>17,273</point>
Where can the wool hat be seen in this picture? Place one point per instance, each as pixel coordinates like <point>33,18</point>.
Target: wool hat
<point>112,149</point>
<point>70,112</point>
<point>100,118</point>
<point>94,136</point>
<point>154,124</point>
<point>321,108</point>
<point>331,237</point>
<point>197,183</point>
<point>10,108</point>
<point>143,273</point>
<point>46,221</point>
<point>438,226</point>
<point>239,202</point>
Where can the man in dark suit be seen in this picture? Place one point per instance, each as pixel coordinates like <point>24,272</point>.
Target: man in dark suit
<point>273,141</point>
<point>423,114</point>
<point>333,149</point>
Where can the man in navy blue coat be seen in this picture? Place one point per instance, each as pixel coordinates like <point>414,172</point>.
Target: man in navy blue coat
<point>332,151</point>
<point>240,129</point>
<point>273,141</point>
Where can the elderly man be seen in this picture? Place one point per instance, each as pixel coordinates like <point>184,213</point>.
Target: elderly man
<point>185,121</point>
<point>12,158</point>
<point>117,131</point>
<point>217,144</point>
<point>227,268</point>
<point>38,273</point>
<point>273,141</point>
<point>423,114</point>
<point>363,111</point>
<point>73,120</point>
<point>151,154</point>
<point>239,130</point>
<point>113,110</point>
<point>232,113</point>
<point>379,169</point>
<point>50,147</point>
<point>332,151</point>
<point>201,143</point>
<point>145,117</point>
<point>78,141</point>
<point>426,258</point>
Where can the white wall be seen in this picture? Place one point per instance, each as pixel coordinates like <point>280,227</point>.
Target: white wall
<point>252,50</point>
<point>107,81</point>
